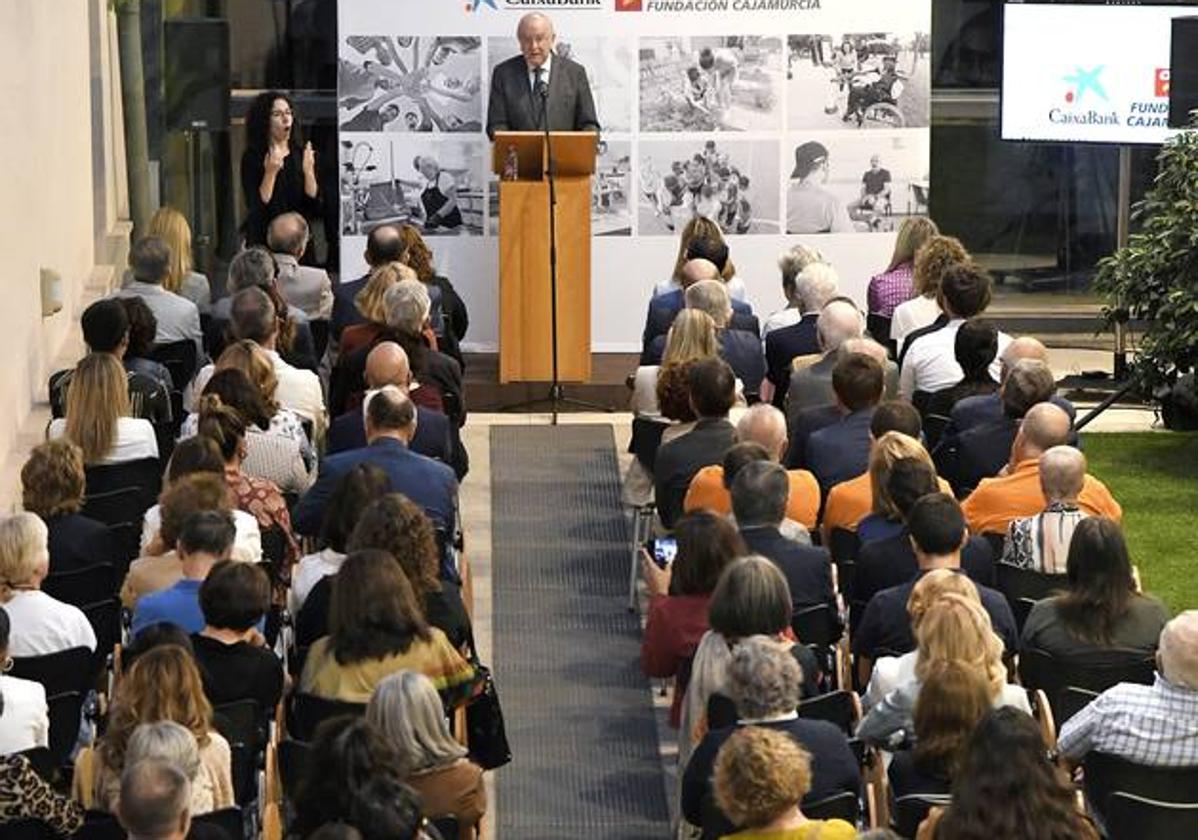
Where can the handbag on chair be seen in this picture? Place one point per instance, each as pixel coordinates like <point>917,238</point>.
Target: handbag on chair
<point>486,735</point>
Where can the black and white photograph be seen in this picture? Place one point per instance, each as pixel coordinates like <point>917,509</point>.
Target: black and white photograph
<point>410,83</point>
<point>732,182</point>
<point>843,182</point>
<point>435,185</point>
<point>857,80</point>
<point>711,83</point>
<point>608,62</point>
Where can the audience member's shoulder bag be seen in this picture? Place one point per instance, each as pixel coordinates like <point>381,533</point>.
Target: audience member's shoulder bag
<point>486,736</point>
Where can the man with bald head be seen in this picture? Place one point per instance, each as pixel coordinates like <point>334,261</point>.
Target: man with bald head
<point>665,307</point>
<point>538,86</point>
<point>764,425</point>
<point>304,286</point>
<point>1016,492</point>
<point>811,386</point>
<point>988,408</point>
<point>1041,542</point>
<point>383,245</point>
<point>435,436</point>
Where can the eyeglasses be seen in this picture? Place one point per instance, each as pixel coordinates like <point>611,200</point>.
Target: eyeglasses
<point>280,114</point>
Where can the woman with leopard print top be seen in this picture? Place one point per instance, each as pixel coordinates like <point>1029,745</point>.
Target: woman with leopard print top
<point>24,795</point>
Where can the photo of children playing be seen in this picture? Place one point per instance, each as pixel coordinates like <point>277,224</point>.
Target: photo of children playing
<point>733,183</point>
<point>728,83</point>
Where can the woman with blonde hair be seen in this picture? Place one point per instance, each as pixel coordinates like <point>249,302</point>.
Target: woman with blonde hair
<point>40,624</point>
<point>371,304</point>
<point>902,461</point>
<point>169,225</point>
<point>955,628</point>
<point>164,684</point>
<point>701,228</point>
<point>406,709</point>
<point>98,414</point>
<point>932,259</point>
<point>895,285</point>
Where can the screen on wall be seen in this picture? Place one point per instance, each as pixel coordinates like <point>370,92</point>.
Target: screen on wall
<point>1087,73</point>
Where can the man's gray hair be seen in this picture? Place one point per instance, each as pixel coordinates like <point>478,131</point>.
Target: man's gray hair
<point>816,285</point>
<point>763,424</point>
<point>838,322</point>
<point>1179,650</point>
<point>168,741</point>
<point>150,260</point>
<point>252,315</point>
<point>1062,473</point>
<point>407,304</point>
<point>760,492</point>
<point>154,800</point>
<point>867,347</point>
<point>288,233</point>
<point>252,267</point>
<point>710,296</point>
<point>763,678</point>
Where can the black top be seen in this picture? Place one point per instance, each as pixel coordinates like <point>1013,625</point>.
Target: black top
<point>833,770</point>
<point>886,627</point>
<point>1138,630</point>
<point>239,671</point>
<point>808,569</point>
<point>908,778</point>
<point>76,542</point>
<point>679,460</point>
<point>940,404</point>
<point>783,346</point>
<point>288,194</point>
<point>965,458</point>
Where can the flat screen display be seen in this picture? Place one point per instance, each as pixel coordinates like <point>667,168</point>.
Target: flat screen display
<point>1087,73</point>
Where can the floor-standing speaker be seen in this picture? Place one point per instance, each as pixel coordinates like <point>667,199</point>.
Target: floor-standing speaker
<point>196,73</point>
<point>1183,71</point>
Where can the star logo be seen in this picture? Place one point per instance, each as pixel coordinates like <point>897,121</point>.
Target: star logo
<point>474,5</point>
<point>1085,80</point>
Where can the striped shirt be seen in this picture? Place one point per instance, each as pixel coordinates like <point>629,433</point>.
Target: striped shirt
<point>1155,725</point>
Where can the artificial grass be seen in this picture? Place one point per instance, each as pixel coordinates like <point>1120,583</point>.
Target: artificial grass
<point>1154,476</point>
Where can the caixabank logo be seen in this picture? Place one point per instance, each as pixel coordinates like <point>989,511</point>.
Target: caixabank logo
<point>1085,88</point>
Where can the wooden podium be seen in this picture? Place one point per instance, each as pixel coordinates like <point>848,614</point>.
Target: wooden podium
<point>525,291</point>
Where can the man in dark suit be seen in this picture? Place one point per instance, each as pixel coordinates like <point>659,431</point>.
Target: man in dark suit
<point>713,392</point>
<point>537,83</point>
<point>390,424</point>
<point>814,287</point>
<point>760,493</point>
<point>839,452</point>
<point>383,245</point>
<point>435,436</point>
<point>664,308</point>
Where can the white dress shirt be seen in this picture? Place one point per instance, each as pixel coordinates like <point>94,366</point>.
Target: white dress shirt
<point>24,723</point>
<point>247,537</point>
<point>42,625</point>
<point>912,315</point>
<point>931,361</point>
<point>135,439</point>
<point>309,572</point>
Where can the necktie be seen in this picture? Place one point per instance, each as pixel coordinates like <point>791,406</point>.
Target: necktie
<point>538,80</point>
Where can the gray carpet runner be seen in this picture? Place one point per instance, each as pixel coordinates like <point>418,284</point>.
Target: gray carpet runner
<point>567,653</point>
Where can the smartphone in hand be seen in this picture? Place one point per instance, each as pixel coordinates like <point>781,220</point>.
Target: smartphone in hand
<point>664,551</point>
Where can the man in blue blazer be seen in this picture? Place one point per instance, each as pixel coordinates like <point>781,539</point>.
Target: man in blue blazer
<point>839,452</point>
<point>390,426</point>
<point>665,307</point>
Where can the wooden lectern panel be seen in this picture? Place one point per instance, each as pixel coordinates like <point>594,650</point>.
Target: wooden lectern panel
<point>524,281</point>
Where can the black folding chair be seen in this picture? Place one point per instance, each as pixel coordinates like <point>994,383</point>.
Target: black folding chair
<point>1023,587</point>
<point>844,544</point>
<point>58,673</point>
<point>27,830</point>
<point>843,806</point>
<point>842,708</point>
<point>308,711</point>
<point>228,820</point>
<point>144,473</point>
<point>1133,817</point>
<point>1038,669</point>
<point>1070,701</point>
<point>64,711</point>
<point>1105,774</point>
<point>82,585</point>
<point>105,619</point>
<point>907,812</point>
<point>294,757</point>
<point>240,723</point>
<point>179,357</point>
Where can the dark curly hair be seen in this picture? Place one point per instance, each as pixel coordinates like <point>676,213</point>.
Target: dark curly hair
<point>398,526</point>
<point>143,327</point>
<point>257,122</point>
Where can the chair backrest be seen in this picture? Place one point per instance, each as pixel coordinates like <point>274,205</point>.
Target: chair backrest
<point>238,722</point>
<point>82,585</point>
<point>844,806</point>
<point>228,820</point>
<point>308,711</point>
<point>1015,582</point>
<point>907,812</point>
<point>844,544</point>
<point>1070,701</point>
<point>1106,773</point>
<point>105,619</point>
<point>28,830</point>
<point>114,507</point>
<point>125,539</point>
<point>996,541</point>
<point>842,708</point>
<point>145,473</point>
<point>1132,817</point>
<point>98,825</point>
<point>64,711</point>
<point>179,357</point>
<point>815,625</point>
<point>67,670</point>
<point>1039,669</point>
<point>293,762</point>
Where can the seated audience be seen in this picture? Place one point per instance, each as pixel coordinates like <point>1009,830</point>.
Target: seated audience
<point>171,227</point>
<point>931,260</point>
<point>1016,493</point>
<point>975,348</point>
<point>954,628</point>
<point>40,624</point>
<point>234,662</point>
<point>255,268</point>
<point>759,496</point>
<point>896,285</point>
<point>140,347</point>
<point>712,392</point>
<point>163,741</point>
<point>840,451</point>
<point>192,456</point>
<point>1154,725</point>
<point>1101,618</point>
<point>452,318</point>
<point>988,408</point>
<point>205,540</point>
<point>1041,542</point>
<point>811,387</point>
<point>154,636</point>
<point>965,458</point>
<point>178,317</point>
<point>1008,782</point>
<point>706,232</point>
<point>52,484</point>
<point>376,627</point>
<point>98,417</point>
<point>954,696</point>
<point>937,530</point>
<point>24,724</point>
<point>928,361</point>
<point>372,306</point>
<point>692,338</point>
<point>261,498</point>
<point>305,287</point>
<point>765,425</point>
<point>355,777</point>
<point>107,329</point>
<point>910,477</point>
<point>760,779</point>
<point>764,682</point>
<point>154,801</point>
<point>356,489</point>
<point>25,795</point>
<point>814,286</point>
<point>383,245</point>
<point>791,264</point>
<point>163,684</point>
<point>680,596</point>
<point>390,425</point>
<point>751,598</point>
<point>406,711</point>
<point>702,265</point>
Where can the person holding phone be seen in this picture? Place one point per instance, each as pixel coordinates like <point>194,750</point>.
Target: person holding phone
<point>680,574</point>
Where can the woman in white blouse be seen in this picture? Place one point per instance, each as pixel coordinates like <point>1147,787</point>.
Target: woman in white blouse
<point>43,624</point>
<point>931,261</point>
<point>24,724</point>
<point>97,414</point>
